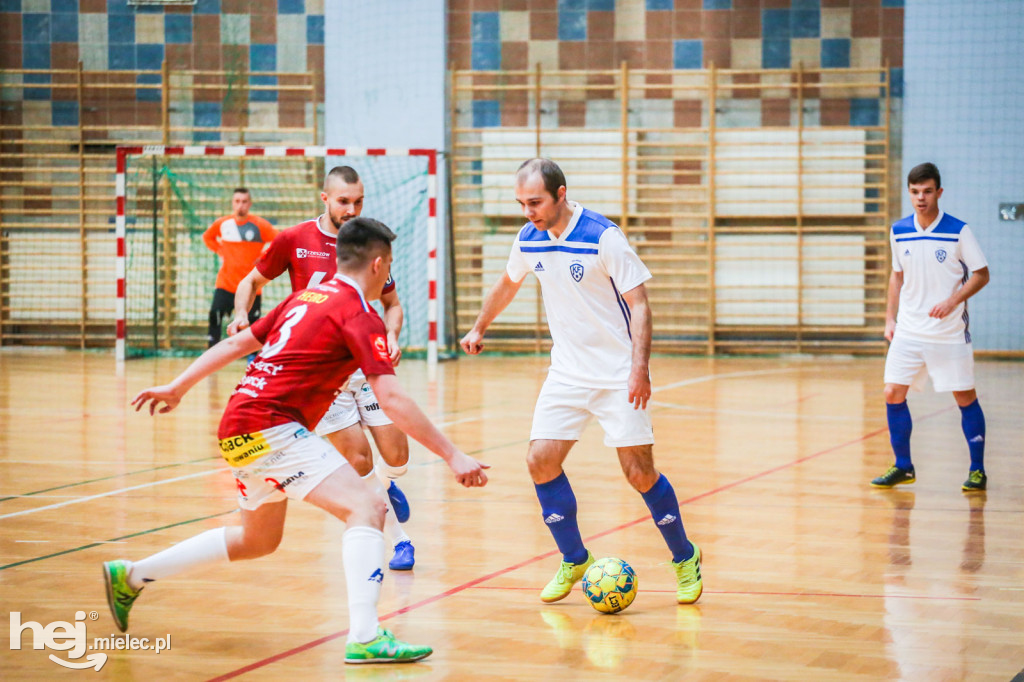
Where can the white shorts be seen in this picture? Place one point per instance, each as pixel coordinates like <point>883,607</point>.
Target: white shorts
<point>277,463</point>
<point>354,404</point>
<point>950,365</point>
<point>563,411</point>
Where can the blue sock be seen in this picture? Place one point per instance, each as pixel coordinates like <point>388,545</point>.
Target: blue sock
<point>558,505</point>
<point>661,500</point>
<point>972,419</point>
<point>900,425</point>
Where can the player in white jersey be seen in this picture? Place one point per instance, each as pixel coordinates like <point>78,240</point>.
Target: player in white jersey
<point>600,321</point>
<point>936,266</point>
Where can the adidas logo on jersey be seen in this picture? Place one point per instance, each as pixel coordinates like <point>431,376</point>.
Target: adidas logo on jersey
<point>539,267</point>
<point>667,519</point>
<point>977,439</point>
<point>554,518</point>
<point>907,252</point>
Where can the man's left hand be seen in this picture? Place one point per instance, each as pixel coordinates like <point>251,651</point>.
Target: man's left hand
<point>639,389</point>
<point>943,309</point>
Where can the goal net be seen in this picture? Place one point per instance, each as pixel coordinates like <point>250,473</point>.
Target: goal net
<point>168,196</point>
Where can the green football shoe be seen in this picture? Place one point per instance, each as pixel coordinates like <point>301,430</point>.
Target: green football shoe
<point>567,576</point>
<point>385,649</point>
<point>120,595</point>
<point>689,584</point>
<point>977,481</point>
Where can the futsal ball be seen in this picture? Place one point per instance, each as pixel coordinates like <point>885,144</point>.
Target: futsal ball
<point>610,585</point>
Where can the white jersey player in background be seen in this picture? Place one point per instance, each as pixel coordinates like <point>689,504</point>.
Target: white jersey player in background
<point>936,266</point>
<point>600,322</point>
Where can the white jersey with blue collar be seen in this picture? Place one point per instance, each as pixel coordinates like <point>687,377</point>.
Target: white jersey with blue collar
<point>583,274</point>
<point>935,261</point>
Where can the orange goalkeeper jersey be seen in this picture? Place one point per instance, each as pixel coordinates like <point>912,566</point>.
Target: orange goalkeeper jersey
<point>238,245</point>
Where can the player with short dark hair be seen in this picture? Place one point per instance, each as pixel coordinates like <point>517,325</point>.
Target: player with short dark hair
<point>937,265</point>
<point>308,345</point>
<point>238,239</point>
<point>306,251</point>
<point>600,321</point>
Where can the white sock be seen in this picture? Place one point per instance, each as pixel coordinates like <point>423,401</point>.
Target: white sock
<point>208,547</point>
<point>389,472</point>
<point>394,528</point>
<point>362,552</point>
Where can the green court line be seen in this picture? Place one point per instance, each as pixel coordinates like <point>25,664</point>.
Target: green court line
<point>165,466</point>
<point>105,478</point>
<point>123,537</point>
<point>201,518</point>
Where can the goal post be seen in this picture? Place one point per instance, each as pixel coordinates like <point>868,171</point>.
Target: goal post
<point>166,197</point>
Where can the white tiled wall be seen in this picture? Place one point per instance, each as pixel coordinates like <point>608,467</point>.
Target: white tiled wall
<point>964,111</point>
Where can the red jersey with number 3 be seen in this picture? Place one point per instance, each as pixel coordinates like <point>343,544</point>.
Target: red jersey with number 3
<point>312,342</point>
<point>308,254</point>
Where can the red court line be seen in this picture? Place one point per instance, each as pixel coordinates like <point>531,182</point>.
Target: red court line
<point>512,588</point>
<point>476,581</point>
<point>798,400</point>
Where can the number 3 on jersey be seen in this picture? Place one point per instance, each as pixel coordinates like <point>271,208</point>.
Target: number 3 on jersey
<point>292,318</point>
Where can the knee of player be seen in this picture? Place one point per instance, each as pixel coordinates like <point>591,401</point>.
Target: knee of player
<point>542,468</point>
<point>397,454</point>
<point>640,475</point>
<point>375,509</point>
<point>361,460</point>
<point>892,393</point>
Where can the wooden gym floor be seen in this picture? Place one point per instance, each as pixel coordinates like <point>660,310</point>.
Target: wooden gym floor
<point>809,573</point>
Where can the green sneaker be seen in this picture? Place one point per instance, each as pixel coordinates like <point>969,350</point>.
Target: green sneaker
<point>385,649</point>
<point>976,481</point>
<point>567,576</point>
<point>689,584</point>
<point>893,477</point>
<point>120,595</point>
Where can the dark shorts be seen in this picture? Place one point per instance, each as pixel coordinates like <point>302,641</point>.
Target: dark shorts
<point>224,307</point>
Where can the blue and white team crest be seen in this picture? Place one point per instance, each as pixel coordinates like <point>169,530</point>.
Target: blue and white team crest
<point>576,270</point>
<point>940,255</point>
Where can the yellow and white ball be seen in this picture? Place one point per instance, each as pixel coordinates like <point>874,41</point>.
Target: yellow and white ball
<point>610,585</point>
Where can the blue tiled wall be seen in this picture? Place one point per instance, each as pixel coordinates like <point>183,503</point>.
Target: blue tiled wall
<point>688,54</point>
<point>112,39</point>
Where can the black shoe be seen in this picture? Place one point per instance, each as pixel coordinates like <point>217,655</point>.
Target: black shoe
<point>895,476</point>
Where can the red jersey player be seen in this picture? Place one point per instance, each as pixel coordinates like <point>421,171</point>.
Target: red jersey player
<point>307,344</point>
<point>306,252</point>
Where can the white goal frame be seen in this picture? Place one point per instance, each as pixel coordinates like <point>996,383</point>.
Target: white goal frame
<point>124,152</point>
